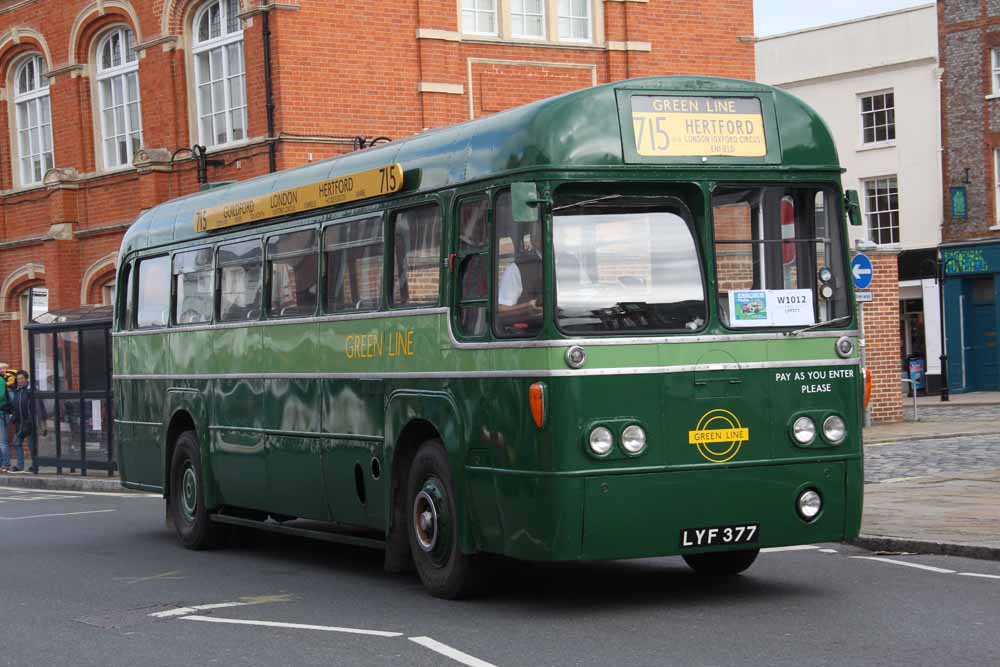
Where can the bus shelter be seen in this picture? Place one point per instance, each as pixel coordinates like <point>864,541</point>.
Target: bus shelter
<point>71,373</point>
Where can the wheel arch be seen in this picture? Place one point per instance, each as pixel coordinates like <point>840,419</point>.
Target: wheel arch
<point>412,418</point>
<point>186,412</point>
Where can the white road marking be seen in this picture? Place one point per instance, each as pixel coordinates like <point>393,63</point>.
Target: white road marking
<point>450,652</point>
<point>65,494</point>
<point>183,611</point>
<point>295,626</point>
<point>975,574</point>
<point>828,551</point>
<point>43,516</point>
<point>45,497</point>
<point>179,611</point>
<point>798,547</point>
<point>929,568</point>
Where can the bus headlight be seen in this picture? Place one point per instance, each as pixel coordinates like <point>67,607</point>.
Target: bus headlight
<point>804,430</point>
<point>634,439</point>
<point>601,441</point>
<point>834,429</point>
<point>845,347</point>
<point>809,504</point>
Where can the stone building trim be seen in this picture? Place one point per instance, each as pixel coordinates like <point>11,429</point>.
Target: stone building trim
<point>98,9</point>
<point>24,273</point>
<point>446,35</point>
<point>14,36</point>
<point>99,269</point>
<point>629,46</point>
<point>446,88</point>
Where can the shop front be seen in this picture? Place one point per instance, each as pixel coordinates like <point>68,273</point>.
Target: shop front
<point>971,315</point>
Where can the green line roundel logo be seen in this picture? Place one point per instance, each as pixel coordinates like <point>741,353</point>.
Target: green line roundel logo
<point>718,436</point>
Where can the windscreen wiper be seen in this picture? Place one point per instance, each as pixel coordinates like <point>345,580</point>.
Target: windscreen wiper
<point>585,202</point>
<point>838,320</point>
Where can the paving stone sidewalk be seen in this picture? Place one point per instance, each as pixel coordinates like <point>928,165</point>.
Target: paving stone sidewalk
<point>957,515</point>
<point>933,486</point>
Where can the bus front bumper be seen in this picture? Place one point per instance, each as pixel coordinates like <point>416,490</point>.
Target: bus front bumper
<point>638,515</point>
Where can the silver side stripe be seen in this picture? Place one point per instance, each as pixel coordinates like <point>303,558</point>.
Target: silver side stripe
<point>443,375</point>
<point>672,339</point>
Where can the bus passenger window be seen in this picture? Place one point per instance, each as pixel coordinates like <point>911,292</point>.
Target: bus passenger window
<point>293,273</point>
<point>473,273</point>
<point>416,253</point>
<point>154,292</point>
<point>239,270</point>
<point>193,286</point>
<point>353,256</point>
<point>519,273</point>
<point>124,314</point>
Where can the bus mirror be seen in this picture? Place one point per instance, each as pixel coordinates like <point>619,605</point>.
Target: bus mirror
<point>853,205</point>
<point>524,202</point>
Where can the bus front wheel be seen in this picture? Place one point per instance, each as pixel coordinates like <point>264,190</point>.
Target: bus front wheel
<point>722,563</point>
<point>186,501</point>
<point>433,529</point>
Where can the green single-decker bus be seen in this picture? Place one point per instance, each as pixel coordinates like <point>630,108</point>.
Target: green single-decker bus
<point>616,323</point>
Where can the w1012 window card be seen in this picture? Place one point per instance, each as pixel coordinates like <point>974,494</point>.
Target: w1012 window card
<point>771,308</point>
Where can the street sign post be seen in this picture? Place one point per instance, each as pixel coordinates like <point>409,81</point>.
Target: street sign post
<point>862,274</point>
<point>861,271</point>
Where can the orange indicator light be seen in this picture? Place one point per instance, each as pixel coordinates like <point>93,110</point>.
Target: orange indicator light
<point>536,399</point>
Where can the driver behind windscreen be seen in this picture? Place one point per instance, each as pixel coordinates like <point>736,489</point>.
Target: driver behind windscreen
<point>519,296</point>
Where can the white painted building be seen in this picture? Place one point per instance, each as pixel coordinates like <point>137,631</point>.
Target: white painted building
<point>876,82</point>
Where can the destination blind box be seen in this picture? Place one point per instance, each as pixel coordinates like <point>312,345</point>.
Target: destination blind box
<point>692,127</point>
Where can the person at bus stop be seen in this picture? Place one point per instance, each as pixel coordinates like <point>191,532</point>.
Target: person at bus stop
<point>4,418</point>
<point>519,294</point>
<point>23,408</point>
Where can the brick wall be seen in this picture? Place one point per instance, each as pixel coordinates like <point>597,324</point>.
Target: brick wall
<point>967,31</point>
<point>340,68</point>
<point>882,338</point>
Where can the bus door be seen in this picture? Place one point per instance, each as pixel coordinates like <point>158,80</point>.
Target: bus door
<point>238,446</point>
<point>290,412</point>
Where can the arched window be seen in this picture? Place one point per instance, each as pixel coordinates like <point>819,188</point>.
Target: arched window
<point>118,84</point>
<point>219,73</point>
<point>34,120</point>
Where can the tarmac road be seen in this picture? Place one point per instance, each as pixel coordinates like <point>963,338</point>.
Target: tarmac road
<point>99,580</point>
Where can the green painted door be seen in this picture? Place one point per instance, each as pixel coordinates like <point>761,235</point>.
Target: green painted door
<point>980,335</point>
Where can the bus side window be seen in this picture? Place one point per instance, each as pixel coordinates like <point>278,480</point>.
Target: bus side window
<point>518,248</point>
<point>193,286</point>
<point>353,252</point>
<point>293,273</point>
<point>153,298</point>
<point>472,295</point>
<point>416,256</point>
<point>239,280</point>
<point>124,306</point>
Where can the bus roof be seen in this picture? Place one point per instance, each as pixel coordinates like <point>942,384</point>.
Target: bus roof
<point>581,129</point>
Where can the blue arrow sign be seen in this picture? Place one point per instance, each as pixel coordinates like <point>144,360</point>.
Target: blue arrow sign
<point>861,271</point>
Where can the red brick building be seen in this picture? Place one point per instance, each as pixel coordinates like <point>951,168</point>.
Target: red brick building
<point>104,98</point>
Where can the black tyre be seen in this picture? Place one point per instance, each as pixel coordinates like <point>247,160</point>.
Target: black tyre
<point>186,502</point>
<point>433,529</point>
<point>725,563</point>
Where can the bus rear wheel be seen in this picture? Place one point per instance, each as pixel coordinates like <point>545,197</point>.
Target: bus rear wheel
<point>186,502</point>
<point>432,527</point>
<point>723,563</point>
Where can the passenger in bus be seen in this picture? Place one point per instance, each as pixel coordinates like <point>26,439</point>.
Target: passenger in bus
<point>519,295</point>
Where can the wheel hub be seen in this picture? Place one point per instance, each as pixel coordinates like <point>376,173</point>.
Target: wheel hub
<point>425,521</point>
<point>189,493</point>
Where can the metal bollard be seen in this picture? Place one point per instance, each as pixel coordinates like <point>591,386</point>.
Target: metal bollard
<point>913,386</point>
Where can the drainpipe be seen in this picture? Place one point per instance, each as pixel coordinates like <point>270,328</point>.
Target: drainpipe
<point>944,342</point>
<point>272,158</point>
<point>939,74</point>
